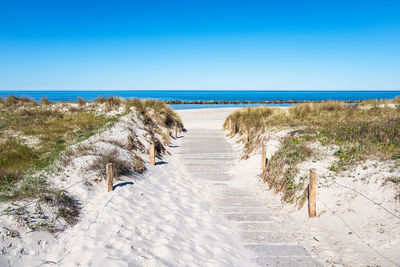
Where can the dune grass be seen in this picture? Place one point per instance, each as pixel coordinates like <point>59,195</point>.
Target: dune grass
<point>32,136</point>
<point>282,168</point>
<point>379,102</point>
<point>367,130</point>
<point>155,111</point>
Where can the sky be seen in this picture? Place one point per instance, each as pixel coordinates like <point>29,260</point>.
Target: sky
<point>200,45</point>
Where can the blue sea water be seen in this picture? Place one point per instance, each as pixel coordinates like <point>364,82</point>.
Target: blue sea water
<point>208,95</point>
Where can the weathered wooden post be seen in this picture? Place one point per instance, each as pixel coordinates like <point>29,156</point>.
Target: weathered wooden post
<point>176,132</point>
<point>264,157</point>
<point>168,137</point>
<point>152,154</point>
<point>247,137</point>
<point>110,176</point>
<point>312,193</point>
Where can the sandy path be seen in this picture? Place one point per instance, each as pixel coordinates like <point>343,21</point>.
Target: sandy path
<point>209,159</point>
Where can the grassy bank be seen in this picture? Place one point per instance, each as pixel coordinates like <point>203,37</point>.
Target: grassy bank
<point>33,136</point>
<point>368,130</point>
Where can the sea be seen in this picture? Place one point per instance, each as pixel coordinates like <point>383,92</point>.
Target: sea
<point>191,95</point>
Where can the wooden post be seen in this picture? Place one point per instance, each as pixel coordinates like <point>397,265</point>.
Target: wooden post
<point>168,134</point>
<point>312,193</point>
<point>176,132</point>
<point>247,137</point>
<point>152,155</point>
<point>110,175</point>
<point>264,157</point>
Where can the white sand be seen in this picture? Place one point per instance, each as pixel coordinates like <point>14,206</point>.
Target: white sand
<point>162,218</point>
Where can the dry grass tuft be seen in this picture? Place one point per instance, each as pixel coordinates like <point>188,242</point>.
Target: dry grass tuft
<point>15,102</point>
<point>155,112</point>
<point>159,147</point>
<point>81,102</point>
<point>44,101</point>
<point>111,102</point>
<point>133,143</point>
<point>138,164</point>
<point>121,167</point>
<point>68,207</point>
<point>379,102</point>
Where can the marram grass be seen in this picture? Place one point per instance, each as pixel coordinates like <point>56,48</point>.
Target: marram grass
<point>370,129</point>
<point>33,136</point>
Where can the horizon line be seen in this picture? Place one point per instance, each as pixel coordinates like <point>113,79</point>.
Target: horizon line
<point>204,90</point>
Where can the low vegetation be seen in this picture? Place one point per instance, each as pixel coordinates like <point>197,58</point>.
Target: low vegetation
<point>34,138</point>
<point>381,102</point>
<point>370,129</point>
<point>155,112</point>
<point>282,168</point>
<point>122,167</point>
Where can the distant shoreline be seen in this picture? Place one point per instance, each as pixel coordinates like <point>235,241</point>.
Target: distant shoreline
<point>209,102</point>
<point>224,102</point>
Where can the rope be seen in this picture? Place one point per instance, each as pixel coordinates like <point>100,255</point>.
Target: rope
<point>357,235</point>
<point>368,198</point>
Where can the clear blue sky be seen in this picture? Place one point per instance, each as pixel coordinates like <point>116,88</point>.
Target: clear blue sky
<point>194,45</point>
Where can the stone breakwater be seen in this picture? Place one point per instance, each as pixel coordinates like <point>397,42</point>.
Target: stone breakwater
<point>253,102</point>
